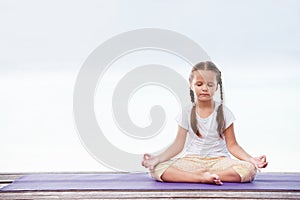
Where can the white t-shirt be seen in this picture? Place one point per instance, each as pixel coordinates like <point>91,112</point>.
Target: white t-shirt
<point>210,144</point>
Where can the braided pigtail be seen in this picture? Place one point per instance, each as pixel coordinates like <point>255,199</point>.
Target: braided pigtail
<point>192,96</point>
<point>220,113</point>
<point>193,115</point>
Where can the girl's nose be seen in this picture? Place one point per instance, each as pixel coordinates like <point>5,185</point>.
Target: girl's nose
<point>204,87</point>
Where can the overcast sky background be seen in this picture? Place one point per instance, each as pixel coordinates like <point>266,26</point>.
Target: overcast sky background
<point>43,45</point>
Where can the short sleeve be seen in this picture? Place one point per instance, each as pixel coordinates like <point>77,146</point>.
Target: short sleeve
<point>228,116</point>
<point>183,118</point>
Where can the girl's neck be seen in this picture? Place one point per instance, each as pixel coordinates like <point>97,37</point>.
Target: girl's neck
<point>205,104</point>
<point>205,108</point>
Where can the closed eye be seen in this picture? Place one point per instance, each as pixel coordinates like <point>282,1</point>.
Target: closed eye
<point>210,84</point>
<point>199,83</point>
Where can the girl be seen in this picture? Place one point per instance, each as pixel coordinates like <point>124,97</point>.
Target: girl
<point>211,133</point>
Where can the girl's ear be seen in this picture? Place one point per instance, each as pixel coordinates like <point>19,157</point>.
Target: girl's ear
<point>217,87</point>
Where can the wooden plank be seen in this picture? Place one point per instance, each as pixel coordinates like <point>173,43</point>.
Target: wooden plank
<point>8,177</point>
<point>13,176</point>
<point>149,195</point>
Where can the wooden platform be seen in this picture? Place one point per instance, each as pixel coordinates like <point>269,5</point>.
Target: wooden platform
<point>6,179</point>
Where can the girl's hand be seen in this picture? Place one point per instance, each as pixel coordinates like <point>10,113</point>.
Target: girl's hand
<point>259,162</point>
<point>150,161</point>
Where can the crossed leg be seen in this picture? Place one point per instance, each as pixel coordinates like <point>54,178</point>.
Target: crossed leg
<point>224,170</point>
<point>173,174</point>
<point>228,175</point>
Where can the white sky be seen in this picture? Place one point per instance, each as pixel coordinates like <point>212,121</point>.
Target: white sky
<point>44,43</point>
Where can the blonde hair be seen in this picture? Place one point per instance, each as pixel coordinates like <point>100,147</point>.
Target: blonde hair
<point>210,66</point>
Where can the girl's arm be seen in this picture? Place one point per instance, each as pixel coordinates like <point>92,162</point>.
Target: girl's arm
<point>234,148</point>
<point>176,147</point>
<point>237,151</point>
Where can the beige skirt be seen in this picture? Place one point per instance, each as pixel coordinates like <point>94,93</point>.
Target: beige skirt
<point>191,163</point>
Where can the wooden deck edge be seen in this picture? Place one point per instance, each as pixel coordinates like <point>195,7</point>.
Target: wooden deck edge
<point>5,177</point>
<point>8,178</point>
<point>149,194</point>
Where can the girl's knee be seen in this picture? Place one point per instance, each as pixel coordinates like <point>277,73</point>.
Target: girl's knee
<point>246,170</point>
<point>159,170</point>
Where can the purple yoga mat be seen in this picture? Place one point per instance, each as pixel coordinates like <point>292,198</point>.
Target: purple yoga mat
<point>142,181</point>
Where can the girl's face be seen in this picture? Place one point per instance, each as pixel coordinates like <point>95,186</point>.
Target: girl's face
<point>204,85</point>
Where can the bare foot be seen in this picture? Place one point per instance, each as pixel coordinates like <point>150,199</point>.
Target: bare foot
<point>207,177</point>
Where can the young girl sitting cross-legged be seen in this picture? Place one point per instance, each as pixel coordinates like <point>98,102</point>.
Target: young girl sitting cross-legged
<point>209,125</point>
